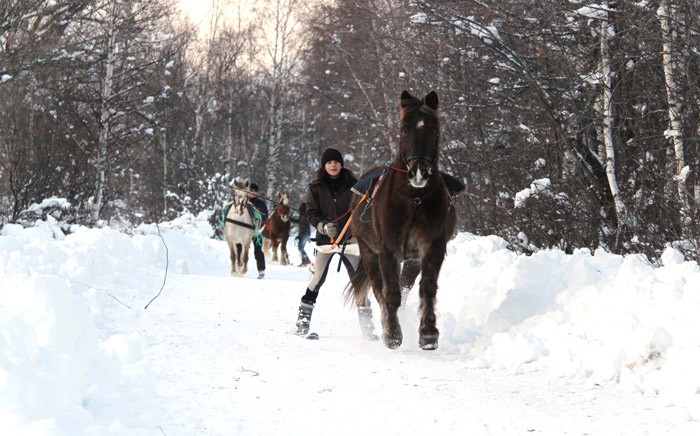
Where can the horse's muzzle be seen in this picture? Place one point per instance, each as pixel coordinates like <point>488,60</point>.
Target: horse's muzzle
<point>418,173</point>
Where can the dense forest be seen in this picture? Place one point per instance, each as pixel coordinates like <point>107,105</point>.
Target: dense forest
<point>574,124</point>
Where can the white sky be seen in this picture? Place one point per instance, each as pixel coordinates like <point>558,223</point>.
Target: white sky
<point>200,10</point>
<point>549,344</point>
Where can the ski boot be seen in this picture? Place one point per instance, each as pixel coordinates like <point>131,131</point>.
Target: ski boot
<point>364,313</point>
<point>304,318</point>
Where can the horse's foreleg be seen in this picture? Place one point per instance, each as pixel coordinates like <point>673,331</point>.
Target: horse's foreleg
<point>275,243</point>
<point>232,257</point>
<point>238,248</point>
<point>284,259</point>
<point>409,272</point>
<point>430,269</point>
<point>244,270</point>
<point>266,246</point>
<point>231,251</point>
<point>391,296</point>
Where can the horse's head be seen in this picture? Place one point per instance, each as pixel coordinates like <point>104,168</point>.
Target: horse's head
<point>282,208</point>
<point>241,188</point>
<point>420,137</point>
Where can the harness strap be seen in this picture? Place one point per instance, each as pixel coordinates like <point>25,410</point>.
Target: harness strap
<point>239,223</point>
<point>374,190</point>
<point>340,217</point>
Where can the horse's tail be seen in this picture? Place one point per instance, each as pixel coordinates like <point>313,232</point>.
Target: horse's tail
<point>357,289</point>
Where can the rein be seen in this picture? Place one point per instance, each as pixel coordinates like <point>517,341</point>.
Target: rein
<point>334,243</point>
<point>269,200</point>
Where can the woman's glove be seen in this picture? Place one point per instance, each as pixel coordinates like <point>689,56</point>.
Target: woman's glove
<point>328,229</point>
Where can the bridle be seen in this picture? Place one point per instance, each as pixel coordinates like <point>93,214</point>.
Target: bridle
<point>427,159</point>
<point>240,204</point>
<point>412,105</point>
<point>418,105</point>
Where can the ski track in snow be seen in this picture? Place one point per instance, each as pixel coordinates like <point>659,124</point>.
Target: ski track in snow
<point>227,363</point>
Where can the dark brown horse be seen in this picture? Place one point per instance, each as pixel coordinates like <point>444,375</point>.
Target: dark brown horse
<point>276,231</point>
<point>412,218</point>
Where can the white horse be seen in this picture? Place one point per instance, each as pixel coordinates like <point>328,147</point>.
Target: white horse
<point>238,228</point>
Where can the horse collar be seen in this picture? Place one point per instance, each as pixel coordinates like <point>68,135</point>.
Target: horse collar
<point>416,199</point>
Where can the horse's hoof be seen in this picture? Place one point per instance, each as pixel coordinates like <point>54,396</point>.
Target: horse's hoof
<point>428,342</point>
<point>430,346</point>
<point>393,342</point>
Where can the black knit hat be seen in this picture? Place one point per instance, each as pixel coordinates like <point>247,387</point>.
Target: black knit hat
<point>330,154</point>
<point>254,187</point>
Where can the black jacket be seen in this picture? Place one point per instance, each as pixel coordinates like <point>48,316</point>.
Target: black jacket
<point>261,206</point>
<point>329,200</point>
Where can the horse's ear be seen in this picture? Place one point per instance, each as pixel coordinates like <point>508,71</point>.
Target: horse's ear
<point>279,197</point>
<point>405,96</point>
<point>432,100</point>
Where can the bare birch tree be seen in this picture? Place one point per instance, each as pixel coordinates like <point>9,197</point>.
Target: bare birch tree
<point>106,93</point>
<point>606,30</point>
<point>120,48</point>
<point>279,43</point>
<point>667,17</point>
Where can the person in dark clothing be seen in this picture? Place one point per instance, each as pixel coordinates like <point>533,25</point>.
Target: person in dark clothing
<point>328,208</point>
<point>261,208</point>
<point>303,235</point>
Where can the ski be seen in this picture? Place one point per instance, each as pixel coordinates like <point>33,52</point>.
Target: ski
<point>312,336</point>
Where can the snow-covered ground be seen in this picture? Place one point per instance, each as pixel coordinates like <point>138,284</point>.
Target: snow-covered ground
<point>547,344</point>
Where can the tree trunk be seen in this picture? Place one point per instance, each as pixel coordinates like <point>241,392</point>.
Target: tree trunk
<point>103,135</point>
<point>666,13</point>
<point>620,209</point>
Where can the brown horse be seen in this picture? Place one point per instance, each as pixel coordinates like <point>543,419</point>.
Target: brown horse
<point>412,218</point>
<point>276,231</point>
